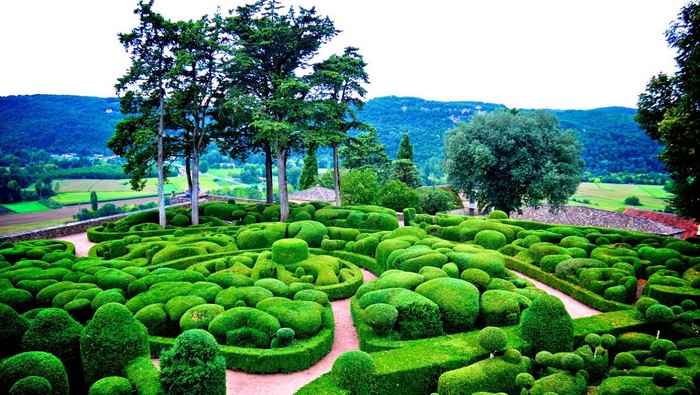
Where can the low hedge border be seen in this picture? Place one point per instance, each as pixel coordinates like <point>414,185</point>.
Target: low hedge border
<point>97,234</point>
<point>362,261</point>
<point>581,294</point>
<point>300,356</point>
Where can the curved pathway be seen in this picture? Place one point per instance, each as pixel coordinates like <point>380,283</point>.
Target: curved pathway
<point>345,340</point>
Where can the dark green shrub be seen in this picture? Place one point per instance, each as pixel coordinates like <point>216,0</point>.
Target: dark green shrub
<point>354,371</point>
<point>500,308</point>
<point>572,363</point>
<point>549,263</point>
<point>239,317</point>
<point>478,277</point>
<point>381,317</point>
<point>79,309</point>
<point>458,301</point>
<point>155,319</point>
<point>676,358</point>
<point>110,341</point>
<point>660,316</point>
<point>34,363</point>
<point>19,299</point>
<point>560,383</point>
<point>193,365</point>
<point>109,296</point>
<point>200,316</point>
<point>433,200</point>
<point>569,267</point>
<point>625,361</point>
<point>492,262</point>
<point>659,348</point>
<point>284,337</point>
<point>644,303</point>
<point>12,328</point>
<point>493,339</point>
<point>546,325</point>
<point>664,378</point>
<point>112,385</point>
<point>303,317</point>
<point>31,385</point>
<point>55,331</point>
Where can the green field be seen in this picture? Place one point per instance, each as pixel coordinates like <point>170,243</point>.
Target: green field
<point>612,196</point>
<point>225,173</point>
<point>25,207</point>
<point>9,229</point>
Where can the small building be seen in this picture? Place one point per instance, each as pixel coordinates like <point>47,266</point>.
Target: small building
<point>314,194</point>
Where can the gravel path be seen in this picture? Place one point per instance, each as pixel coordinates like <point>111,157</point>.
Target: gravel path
<point>345,340</point>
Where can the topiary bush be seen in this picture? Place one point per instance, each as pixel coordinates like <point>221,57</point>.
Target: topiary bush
<point>493,339</point>
<point>546,325</point>
<point>381,317</point>
<point>498,214</point>
<point>12,328</point>
<point>112,385</point>
<point>354,371</point>
<point>193,365</point>
<point>458,301</point>
<point>31,385</point>
<point>110,341</point>
<point>34,363</point>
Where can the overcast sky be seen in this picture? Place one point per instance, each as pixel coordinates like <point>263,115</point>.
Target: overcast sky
<point>563,54</point>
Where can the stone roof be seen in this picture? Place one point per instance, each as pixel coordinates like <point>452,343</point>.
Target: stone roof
<point>315,194</point>
<point>586,216</point>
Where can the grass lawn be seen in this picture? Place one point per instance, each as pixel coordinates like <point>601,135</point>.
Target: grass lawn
<point>612,196</point>
<point>26,207</point>
<point>225,173</point>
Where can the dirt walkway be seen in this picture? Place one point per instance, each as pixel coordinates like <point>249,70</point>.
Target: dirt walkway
<point>345,340</point>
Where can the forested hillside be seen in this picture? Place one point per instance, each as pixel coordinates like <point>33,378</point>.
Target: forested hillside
<point>611,139</point>
<point>57,124</point>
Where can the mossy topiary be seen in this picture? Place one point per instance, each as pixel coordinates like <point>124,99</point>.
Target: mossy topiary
<point>284,337</point>
<point>492,339</point>
<point>458,301</point>
<point>495,375</point>
<point>112,385</point>
<point>110,341</point>
<point>490,239</point>
<point>546,325</point>
<point>239,317</point>
<point>381,317</point>
<point>354,371</point>
<point>31,385</point>
<point>34,363</point>
<point>304,317</point>
<point>498,214</point>
<point>12,328</point>
<point>193,365</point>
<point>289,251</point>
<point>625,361</point>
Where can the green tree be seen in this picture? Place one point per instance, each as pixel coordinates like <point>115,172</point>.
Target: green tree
<point>273,50</point>
<point>435,200</point>
<point>367,152</point>
<point>359,187</point>
<point>309,174</point>
<point>93,200</point>
<point>398,196</point>
<point>405,170</point>
<point>405,148</point>
<point>294,175</point>
<point>669,112</point>
<point>144,85</point>
<point>508,159</point>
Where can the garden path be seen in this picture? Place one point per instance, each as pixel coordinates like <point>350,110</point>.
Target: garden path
<point>345,340</point>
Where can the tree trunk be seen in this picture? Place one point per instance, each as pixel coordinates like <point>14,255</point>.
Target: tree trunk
<point>336,176</point>
<point>195,181</point>
<point>161,176</point>
<point>269,197</point>
<point>282,182</point>
<point>188,171</point>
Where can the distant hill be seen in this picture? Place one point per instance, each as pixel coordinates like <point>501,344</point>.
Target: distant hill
<point>612,141</point>
<point>57,124</point>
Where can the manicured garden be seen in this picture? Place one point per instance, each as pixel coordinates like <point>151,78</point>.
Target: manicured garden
<point>448,312</point>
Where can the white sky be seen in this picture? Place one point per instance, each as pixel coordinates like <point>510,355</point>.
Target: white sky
<point>563,54</point>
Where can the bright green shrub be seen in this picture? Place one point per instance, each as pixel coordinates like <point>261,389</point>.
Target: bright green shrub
<point>260,235</point>
<point>34,363</point>
<point>31,385</point>
<point>173,252</point>
<point>310,231</point>
<point>613,255</point>
<point>193,365</point>
<point>254,295</point>
<point>490,239</point>
<point>354,371</point>
<point>498,214</point>
<point>659,348</point>
<point>381,317</point>
<point>240,317</point>
<point>419,317</point>
<point>155,319</point>
<point>625,361</point>
<point>560,383</point>
<point>478,277</point>
<point>12,328</point>
<point>284,337</point>
<point>110,341</point>
<point>492,262</point>
<point>289,251</point>
<point>54,331</point>
<point>113,278</point>
<point>178,305</point>
<point>277,287</point>
<point>549,263</point>
<point>494,375</point>
<point>576,252</point>
<point>228,297</point>
<point>577,242</point>
<point>312,295</point>
<point>676,358</point>
<point>569,267</point>
<point>492,339</point>
<point>430,272</point>
<point>34,286</point>
<point>458,302</point>
<point>366,246</point>
<point>79,309</point>
<point>333,245</point>
<point>540,250</point>
<point>247,337</point>
<point>429,258</point>
<point>546,325</point>
<point>112,385</point>
<point>303,317</point>
<point>658,256</point>
<point>346,234</point>
<point>684,247</point>
<point>500,308</point>
<point>392,279</point>
<point>200,316</point>
<point>452,270</point>
<point>386,247</point>
<point>109,296</point>
<point>19,299</point>
<point>46,295</point>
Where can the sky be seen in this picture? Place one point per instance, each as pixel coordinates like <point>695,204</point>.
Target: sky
<point>558,54</point>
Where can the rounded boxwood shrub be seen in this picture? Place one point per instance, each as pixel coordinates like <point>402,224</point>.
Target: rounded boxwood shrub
<point>546,325</point>
<point>178,305</point>
<point>664,378</point>
<point>155,319</point>
<point>490,239</point>
<point>381,317</point>
<point>498,214</point>
<point>302,316</point>
<point>312,295</point>
<point>284,337</point>
<point>193,365</point>
<point>478,277</point>
<point>200,316</point>
<point>34,363</point>
<point>110,341</point>
<point>31,385</point>
<point>458,301</point>
<point>676,358</point>
<point>19,299</point>
<point>492,339</point>
<point>549,263</point>
<point>112,385</point>
<point>659,348</point>
<point>109,296</point>
<point>12,328</point>
<point>625,361</point>
<point>240,317</point>
<point>354,371</point>
<point>289,251</point>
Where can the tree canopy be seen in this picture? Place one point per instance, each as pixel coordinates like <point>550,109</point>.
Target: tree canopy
<point>669,112</point>
<point>508,159</point>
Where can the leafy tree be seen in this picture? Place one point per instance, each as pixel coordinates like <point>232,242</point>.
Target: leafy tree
<point>508,159</point>
<point>294,175</point>
<point>309,174</point>
<point>93,200</point>
<point>435,200</point>
<point>250,174</point>
<point>669,112</point>
<point>632,201</point>
<point>367,152</point>
<point>273,49</point>
<point>144,84</point>
<point>337,83</point>
<point>398,196</point>
<point>405,170</point>
<point>405,148</point>
<point>359,187</point>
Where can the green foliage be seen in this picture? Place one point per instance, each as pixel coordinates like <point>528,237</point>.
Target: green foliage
<point>31,385</point>
<point>289,251</point>
<point>381,317</point>
<point>359,187</point>
<point>492,339</point>
<point>625,361</point>
<point>632,201</point>
<point>354,371</point>
<point>490,239</point>
<point>497,151</point>
<point>494,375</point>
<point>12,328</point>
<point>34,363</point>
<point>243,317</point>
<point>397,195</point>
<point>434,200</point>
<point>498,214</point>
<point>458,302</point>
<point>405,171</point>
<point>110,341</point>
<point>546,325</point>
<point>111,385</point>
<point>304,317</point>
<point>193,365</point>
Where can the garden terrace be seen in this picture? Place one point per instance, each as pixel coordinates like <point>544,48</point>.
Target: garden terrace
<point>262,290</point>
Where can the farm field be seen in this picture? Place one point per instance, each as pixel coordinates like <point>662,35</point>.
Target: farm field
<point>26,207</point>
<point>612,196</point>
